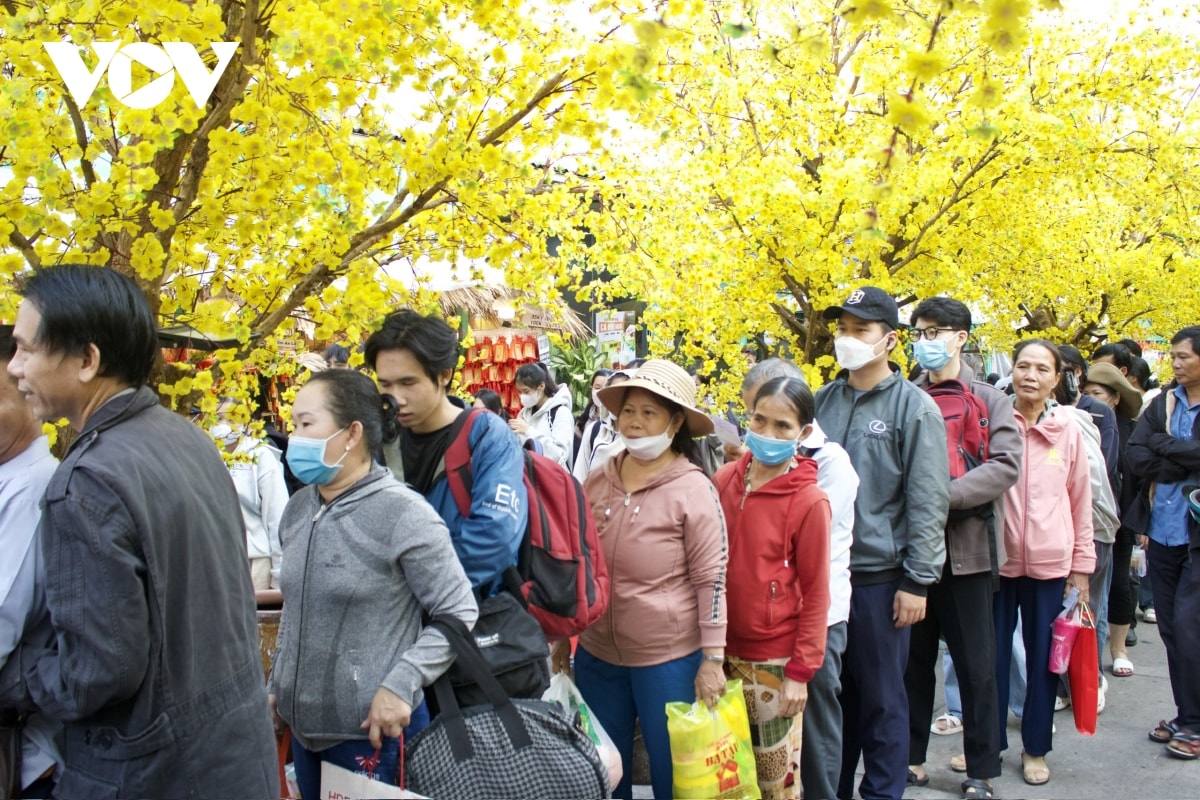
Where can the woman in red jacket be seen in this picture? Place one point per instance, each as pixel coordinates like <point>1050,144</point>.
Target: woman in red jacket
<point>778,576</point>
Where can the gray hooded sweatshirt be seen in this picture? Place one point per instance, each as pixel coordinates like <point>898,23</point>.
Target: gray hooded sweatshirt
<point>357,574</point>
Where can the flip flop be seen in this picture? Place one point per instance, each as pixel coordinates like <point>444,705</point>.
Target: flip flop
<point>1185,745</point>
<point>959,763</point>
<point>946,725</point>
<point>1034,774</point>
<point>975,789</point>
<point>1122,668</point>
<point>1163,732</point>
<point>913,780</point>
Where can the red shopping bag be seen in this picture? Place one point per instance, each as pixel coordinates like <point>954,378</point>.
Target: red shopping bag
<point>1084,675</point>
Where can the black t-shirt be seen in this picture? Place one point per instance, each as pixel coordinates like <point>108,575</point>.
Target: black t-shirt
<point>422,454</point>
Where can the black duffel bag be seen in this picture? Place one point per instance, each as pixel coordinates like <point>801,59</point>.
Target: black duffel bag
<point>514,647</point>
<point>502,748</point>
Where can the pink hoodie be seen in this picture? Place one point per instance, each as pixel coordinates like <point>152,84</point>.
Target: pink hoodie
<point>1048,513</point>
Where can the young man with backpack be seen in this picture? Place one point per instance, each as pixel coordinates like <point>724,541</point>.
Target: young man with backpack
<point>414,358</point>
<point>984,452</point>
<point>896,440</point>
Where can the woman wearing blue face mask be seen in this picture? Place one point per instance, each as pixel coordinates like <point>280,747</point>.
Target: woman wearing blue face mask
<point>778,580</point>
<point>364,556</point>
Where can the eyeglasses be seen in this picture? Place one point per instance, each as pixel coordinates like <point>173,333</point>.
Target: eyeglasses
<point>929,333</point>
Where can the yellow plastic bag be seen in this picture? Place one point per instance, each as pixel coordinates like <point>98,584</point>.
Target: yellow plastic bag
<point>711,754</point>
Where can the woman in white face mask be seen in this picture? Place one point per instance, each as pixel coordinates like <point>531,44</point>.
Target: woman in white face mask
<point>600,440</point>
<point>662,638</point>
<point>545,414</point>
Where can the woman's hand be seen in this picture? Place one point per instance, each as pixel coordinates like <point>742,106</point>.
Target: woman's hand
<point>560,657</point>
<point>1080,581</point>
<point>519,426</point>
<point>710,682</point>
<point>276,720</point>
<point>793,697</point>
<point>388,717</point>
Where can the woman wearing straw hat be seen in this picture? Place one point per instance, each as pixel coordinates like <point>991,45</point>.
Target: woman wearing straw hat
<point>662,638</point>
<point>1105,383</point>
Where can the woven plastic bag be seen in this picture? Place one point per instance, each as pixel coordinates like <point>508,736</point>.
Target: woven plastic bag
<point>711,753</point>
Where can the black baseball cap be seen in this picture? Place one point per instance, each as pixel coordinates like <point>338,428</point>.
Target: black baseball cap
<point>870,303</point>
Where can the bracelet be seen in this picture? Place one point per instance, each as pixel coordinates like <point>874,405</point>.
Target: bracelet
<point>715,658</point>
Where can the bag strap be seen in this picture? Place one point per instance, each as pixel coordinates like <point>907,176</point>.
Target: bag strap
<point>472,663</point>
<point>458,459</point>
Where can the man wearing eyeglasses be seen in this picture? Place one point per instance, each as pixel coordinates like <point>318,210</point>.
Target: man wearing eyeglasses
<point>960,604</point>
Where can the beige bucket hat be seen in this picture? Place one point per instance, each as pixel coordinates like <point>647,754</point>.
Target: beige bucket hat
<point>667,380</point>
<point>1107,375</point>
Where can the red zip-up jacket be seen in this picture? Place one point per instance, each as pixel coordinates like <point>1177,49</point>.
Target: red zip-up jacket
<point>778,576</point>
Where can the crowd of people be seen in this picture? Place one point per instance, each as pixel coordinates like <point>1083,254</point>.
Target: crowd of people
<point>822,560</point>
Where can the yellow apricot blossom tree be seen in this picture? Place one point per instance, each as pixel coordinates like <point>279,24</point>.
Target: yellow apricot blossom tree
<point>1040,168</point>
<point>340,137</point>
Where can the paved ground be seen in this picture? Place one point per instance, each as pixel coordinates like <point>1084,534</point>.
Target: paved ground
<point>1118,762</point>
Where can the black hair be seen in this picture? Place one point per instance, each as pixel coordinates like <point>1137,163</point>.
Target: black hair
<point>684,443</point>
<point>1140,372</point>
<point>1189,334</point>
<point>585,415</point>
<point>993,378</point>
<point>430,339</point>
<point>8,345</point>
<point>1133,347</point>
<point>350,397</point>
<point>1073,358</point>
<point>337,354</point>
<point>637,362</point>
<point>1046,343</point>
<point>795,392</point>
<point>945,311</point>
<point>84,305</point>
<point>1119,353</point>
<point>491,401</point>
<point>533,375</point>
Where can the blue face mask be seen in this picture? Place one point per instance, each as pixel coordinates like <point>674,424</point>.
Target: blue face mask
<point>770,452</point>
<point>306,457</point>
<point>931,355</point>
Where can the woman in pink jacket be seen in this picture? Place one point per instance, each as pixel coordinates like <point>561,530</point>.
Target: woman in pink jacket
<point>1048,541</point>
<point>662,638</point>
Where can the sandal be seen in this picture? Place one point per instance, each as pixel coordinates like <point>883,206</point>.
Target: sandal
<point>1034,769</point>
<point>959,763</point>
<point>946,725</point>
<point>1185,745</point>
<point>1163,732</point>
<point>913,780</point>
<point>975,789</point>
<point>1122,667</point>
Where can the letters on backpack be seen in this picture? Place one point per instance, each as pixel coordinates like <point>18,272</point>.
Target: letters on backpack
<point>560,568</point>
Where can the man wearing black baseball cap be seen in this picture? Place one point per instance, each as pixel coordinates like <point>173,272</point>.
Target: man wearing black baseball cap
<point>896,439</point>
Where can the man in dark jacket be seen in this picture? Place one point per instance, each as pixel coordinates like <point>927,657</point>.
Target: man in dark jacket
<point>149,654</point>
<point>960,604</point>
<point>896,439</point>
<point>1164,450</point>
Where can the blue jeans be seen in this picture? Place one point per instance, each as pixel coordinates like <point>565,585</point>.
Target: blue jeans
<point>1016,679</point>
<point>619,696</point>
<point>347,755</point>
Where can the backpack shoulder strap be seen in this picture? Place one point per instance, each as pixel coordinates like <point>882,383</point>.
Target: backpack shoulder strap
<point>458,459</point>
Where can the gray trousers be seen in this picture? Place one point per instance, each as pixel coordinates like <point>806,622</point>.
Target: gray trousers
<point>821,751</point>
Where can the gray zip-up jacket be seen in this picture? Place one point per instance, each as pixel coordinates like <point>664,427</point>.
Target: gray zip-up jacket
<point>968,548</point>
<point>896,439</point>
<point>357,574</point>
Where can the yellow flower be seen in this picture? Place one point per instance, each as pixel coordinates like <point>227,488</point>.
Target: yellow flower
<point>867,10</point>
<point>924,65</point>
<point>988,95</point>
<point>907,114</point>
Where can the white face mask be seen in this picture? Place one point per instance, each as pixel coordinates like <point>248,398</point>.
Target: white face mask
<point>853,353</point>
<point>529,400</point>
<point>596,401</point>
<point>223,433</point>
<point>648,448</point>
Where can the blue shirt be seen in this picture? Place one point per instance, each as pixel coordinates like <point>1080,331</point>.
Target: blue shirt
<point>1169,517</point>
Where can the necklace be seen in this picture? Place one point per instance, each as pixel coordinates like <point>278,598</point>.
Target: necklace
<point>791,465</point>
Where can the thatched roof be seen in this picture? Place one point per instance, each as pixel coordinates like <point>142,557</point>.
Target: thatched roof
<point>480,301</point>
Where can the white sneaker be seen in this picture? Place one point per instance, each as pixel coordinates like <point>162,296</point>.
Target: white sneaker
<point>1100,699</point>
<point>1061,703</point>
<point>1150,616</point>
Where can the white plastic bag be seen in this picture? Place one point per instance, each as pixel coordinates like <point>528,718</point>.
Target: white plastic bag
<point>564,692</point>
<point>1137,562</point>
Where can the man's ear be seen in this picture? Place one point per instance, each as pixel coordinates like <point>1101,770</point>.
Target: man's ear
<point>444,378</point>
<point>89,368</point>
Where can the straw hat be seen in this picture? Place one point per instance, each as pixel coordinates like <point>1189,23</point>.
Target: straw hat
<point>668,381</point>
<point>1110,377</point>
